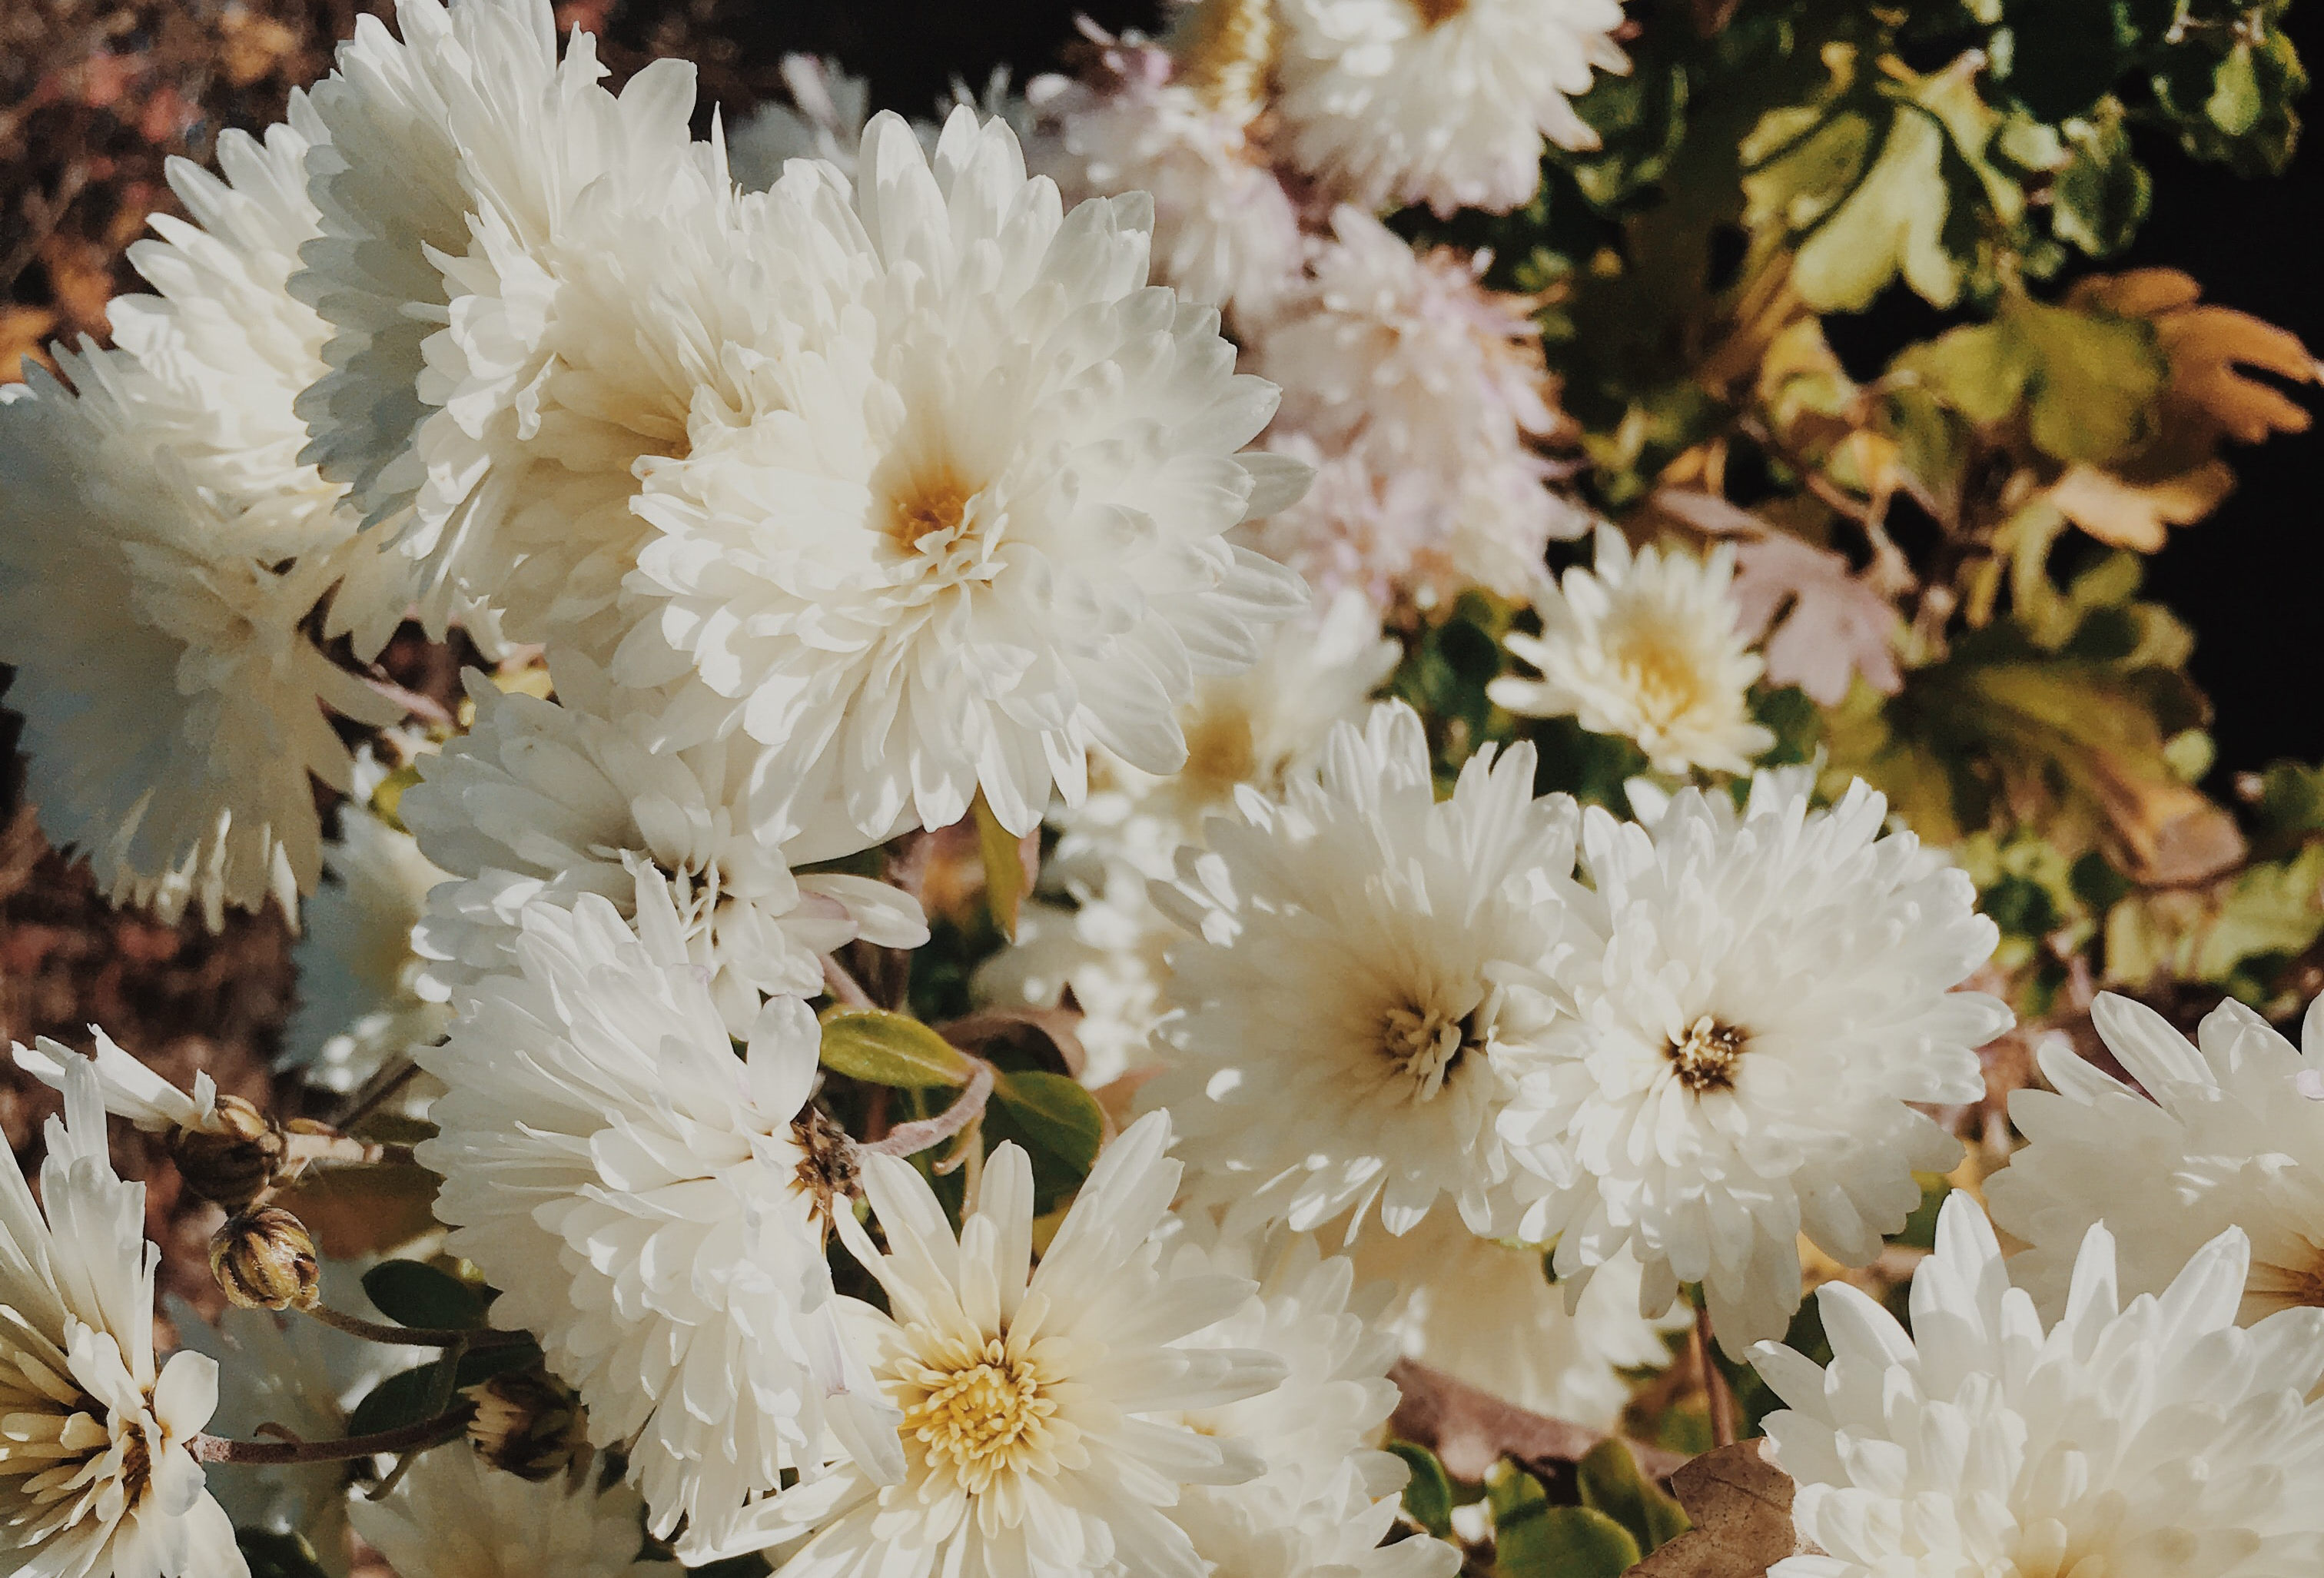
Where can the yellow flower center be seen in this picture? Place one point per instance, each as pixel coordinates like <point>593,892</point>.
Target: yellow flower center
<point>1424,1045</point>
<point>1705,1058</point>
<point>1436,14</point>
<point>928,505</point>
<point>1661,674</point>
<point>54,1443</point>
<point>1222,751</point>
<point>981,1412</point>
<point>1225,50</point>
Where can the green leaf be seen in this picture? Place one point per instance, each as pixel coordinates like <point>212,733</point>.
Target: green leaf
<point>1428,1494</point>
<point>1612,1484</point>
<point>2087,382</point>
<point>272,1554</point>
<point>1054,1114</point>
<point>1567,1542</point>
<point>1001,851</point>
<point>2291,801</point>
<point>405,1398</point>
<point>412,1294</point>
<point>880,1047</point>
<point>2102,196</point>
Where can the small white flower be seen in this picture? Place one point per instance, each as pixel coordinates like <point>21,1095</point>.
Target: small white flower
<point>1646,648</point>
<point>359,997</point>
<point>1255,728</point>
<point>824,120</point>
<point>2222,1138</point>
<point>1041,1405</point>
<point>1225,232</point>
<point>1756,999</point>
<point>1362,981</point>
<point>125,1087</point>
<point>541,802</point>
<point>1485,1311</point>
<point>1428,391</point>
<point>452,1517</point>
<point>2154,1439</point>
<point>647,1201</point>
<point>96,1476</point>
<point>971,523</point>
<point>1443,102</point>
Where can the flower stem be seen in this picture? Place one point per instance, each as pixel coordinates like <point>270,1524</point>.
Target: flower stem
<point>426,1433</point>
<point>1715,1392</point>
<point>909,1139</point>
<point>413,1336</point>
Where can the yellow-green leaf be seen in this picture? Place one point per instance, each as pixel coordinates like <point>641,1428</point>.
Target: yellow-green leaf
<point>1001,851</point>
<point>1611,1483</point>
<point>880,1047</point>
<point>1054,1113</point>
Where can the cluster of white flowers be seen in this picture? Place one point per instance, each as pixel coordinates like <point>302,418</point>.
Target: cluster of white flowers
<point>855,485</point>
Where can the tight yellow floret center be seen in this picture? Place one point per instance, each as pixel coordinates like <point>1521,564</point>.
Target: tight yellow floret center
<point>1706,1056</point>
<point>982,1417</point>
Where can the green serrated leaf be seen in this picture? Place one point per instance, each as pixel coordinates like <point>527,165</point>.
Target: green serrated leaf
<point>405,1398</point>
<point>1611,1483</point>
<point>1428,1492</point>
<point>2102,196</point>
<point>270,1554</point>
<point>1052,1114</point>
<point>880,1047</point>
<point>413,1294</point>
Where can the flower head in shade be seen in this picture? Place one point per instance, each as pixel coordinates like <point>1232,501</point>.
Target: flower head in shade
<point>1361,982</point>
<point>1484,1311</point>
<point>972,525</point>
<point>96,1474</point>
<point>465,168</point>
<point>647,1201</point>
<point>1756,998</point>
<point>543,801</point>
<point>359,998</point>
<point>1043,1405</point>
<point>1427,392</point>
<point>451,1516</point>
<point>1445,102</point>
<point>1225,232</point>
<point>2152,1437</point>
<point>1644,647</point>
<point>1328,1493</point>
<point>2224,1135</point>
<point>1255,728</point>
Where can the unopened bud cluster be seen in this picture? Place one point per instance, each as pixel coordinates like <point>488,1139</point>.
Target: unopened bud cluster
<point>527,1424</point>
<point>266,1259</point>
<point>233,1156</point>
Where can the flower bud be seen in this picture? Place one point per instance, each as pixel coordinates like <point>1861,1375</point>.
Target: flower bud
<point>526,1424</point>
<point>233,1156</point>
<point>264,1259</point>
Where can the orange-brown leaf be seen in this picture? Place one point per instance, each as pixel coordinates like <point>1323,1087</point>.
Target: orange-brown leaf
<point>2138,515</point>
<point>1741,1504</point>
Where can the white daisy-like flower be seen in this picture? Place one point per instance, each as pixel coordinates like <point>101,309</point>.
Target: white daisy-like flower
<point>1042,1430</point>
<point>1647,647</point>
<point>161,545</point>
<point>464,168</point>
<point>1484,1311</point>
<point>1225,232</point>
<point>824,120</point>
<point>973,524</point>
<point>306,1378</point>
<point>2157,1439</point>
<point>96,1476</point>
<point>1443,102</point>
<point>540,802</point>
<point>2229,1133</point>
<point>1109,945</point>
<point>125,1087</point>
<point>1327,1485</point>
<point>450,1516</point>
<point>359,996</point>
<point>1755,999</point>
<point>1429,390</point>
<point>647,1201</point>
<point>1362,981</point>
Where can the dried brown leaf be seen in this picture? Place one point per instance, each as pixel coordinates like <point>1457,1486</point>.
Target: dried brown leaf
<point>2124,512</point>
<point>1471,1429</point>
<point>1741,1504</point>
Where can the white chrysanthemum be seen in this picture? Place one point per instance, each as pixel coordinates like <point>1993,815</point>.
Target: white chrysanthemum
<point>1326,1485</point>
<point>464,198</point>
<point>1041,1430</point>
<point>1429,390</point>
<point>160,547</point>
<point>1362,982</point>
<point>304,1377</point>
<point>359,998</point>
<point>2151,1441</point>
<point>1225,232</point>
<point>647,1201</point>
<point>541,802</point>
<point>1646,648</point>
<point>1755,999</point>
<point>95,1477</point>
<point>1485,1312</point>
<point>824,120</point>
<point>452,1517</point>
<point>2229,1133</point>
<point>972,525</point>
<point>1443,102</point>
